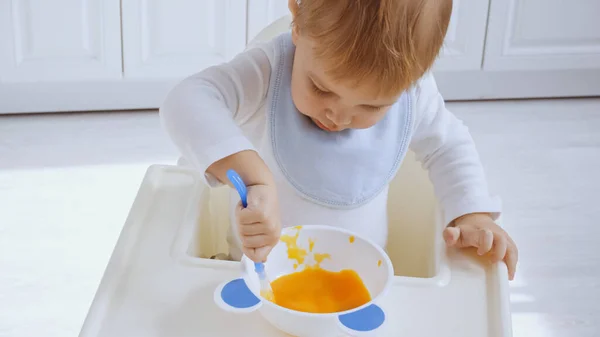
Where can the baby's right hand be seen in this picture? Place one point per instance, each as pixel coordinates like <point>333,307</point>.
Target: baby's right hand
<point>259,225</point>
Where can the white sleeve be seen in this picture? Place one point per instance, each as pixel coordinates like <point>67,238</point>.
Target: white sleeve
<point>203,113</point>
<point>444,146</point>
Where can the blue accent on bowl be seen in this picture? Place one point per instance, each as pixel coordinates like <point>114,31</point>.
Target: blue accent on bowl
<point>237,295</point>
<point>367,319</point>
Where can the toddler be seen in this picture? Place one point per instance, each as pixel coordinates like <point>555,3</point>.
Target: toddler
<point>318,120</point>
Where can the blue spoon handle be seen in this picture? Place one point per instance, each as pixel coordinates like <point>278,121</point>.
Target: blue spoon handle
<point>239,185</point>
<point>242,190</point>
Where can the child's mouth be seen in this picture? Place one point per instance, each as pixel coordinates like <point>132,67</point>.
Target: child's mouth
<point>321,125</point>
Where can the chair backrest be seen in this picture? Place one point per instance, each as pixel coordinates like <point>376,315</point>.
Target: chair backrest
<point>411,208</point>
<point>273,29</point>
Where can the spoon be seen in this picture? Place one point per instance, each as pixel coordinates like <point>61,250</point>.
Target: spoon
<point>259,267</point>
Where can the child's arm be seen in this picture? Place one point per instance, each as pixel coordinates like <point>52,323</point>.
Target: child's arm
<point>203,115</point>
<point>445,147</point>
<point>443,144</point>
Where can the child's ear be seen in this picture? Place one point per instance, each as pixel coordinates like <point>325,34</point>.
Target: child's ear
<point>295,34</point>
<point>293,6</point>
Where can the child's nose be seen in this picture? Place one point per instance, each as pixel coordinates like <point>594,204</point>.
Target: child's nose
<point>338,117</point>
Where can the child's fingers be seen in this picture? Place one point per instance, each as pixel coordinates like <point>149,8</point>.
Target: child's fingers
<point>511,258</point>
<point>468,236</point>
<point>250,215</point>
<point>451,235</point>
<point>460,237</point>
<point>500,246</point>
<point>485,241</point>
<point>252,255</point>
<point>257,254</point>
<point>252,229</point>
<point>262,253</point>
<point>255,241</point>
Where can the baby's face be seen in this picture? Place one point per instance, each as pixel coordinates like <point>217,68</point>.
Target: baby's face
<point>331,105</point>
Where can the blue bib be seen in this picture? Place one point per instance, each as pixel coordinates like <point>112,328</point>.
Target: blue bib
<point>336,169</point>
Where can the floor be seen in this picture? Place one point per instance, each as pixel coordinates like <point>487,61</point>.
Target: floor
<point>67,182</point>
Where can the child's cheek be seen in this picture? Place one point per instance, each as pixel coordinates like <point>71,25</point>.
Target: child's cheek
<point>302,99</point>
<point>313,104</point>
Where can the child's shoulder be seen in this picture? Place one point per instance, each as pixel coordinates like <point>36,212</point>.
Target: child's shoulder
<point>425,89</point>
<point>425,83</point>
<point>270,47</point>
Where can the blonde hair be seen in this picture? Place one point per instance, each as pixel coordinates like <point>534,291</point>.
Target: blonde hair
<point>388,44</point>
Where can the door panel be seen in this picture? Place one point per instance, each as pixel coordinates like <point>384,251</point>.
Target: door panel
<point>543,35</point>
<point>175,38</point>
<point>59,40</point>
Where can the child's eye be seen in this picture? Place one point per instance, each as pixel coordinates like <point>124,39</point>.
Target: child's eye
<point>318,91</point>
<point>372,108</point>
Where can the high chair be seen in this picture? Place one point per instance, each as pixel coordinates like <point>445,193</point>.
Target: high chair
<point>160,279</point>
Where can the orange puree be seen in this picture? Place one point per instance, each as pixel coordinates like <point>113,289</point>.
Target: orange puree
<point>316,290</point>
<point>294,252</point>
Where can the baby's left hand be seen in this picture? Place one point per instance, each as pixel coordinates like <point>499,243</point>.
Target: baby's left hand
<point>480,231</point>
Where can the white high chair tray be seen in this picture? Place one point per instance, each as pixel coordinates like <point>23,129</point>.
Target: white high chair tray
<point>154,286</point>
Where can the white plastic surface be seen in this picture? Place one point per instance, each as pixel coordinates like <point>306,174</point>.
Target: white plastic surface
<point>155,286</point>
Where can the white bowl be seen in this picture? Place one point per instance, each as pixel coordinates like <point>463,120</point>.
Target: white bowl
<point>347,251</point>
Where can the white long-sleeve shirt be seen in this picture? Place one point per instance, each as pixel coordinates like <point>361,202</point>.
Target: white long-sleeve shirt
<point>222,110</point>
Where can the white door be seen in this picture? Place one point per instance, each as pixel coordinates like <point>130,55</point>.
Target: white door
<point>168,39</point>
<point>465,39</point>
<point>543,35</point>
<point>59,40</point>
